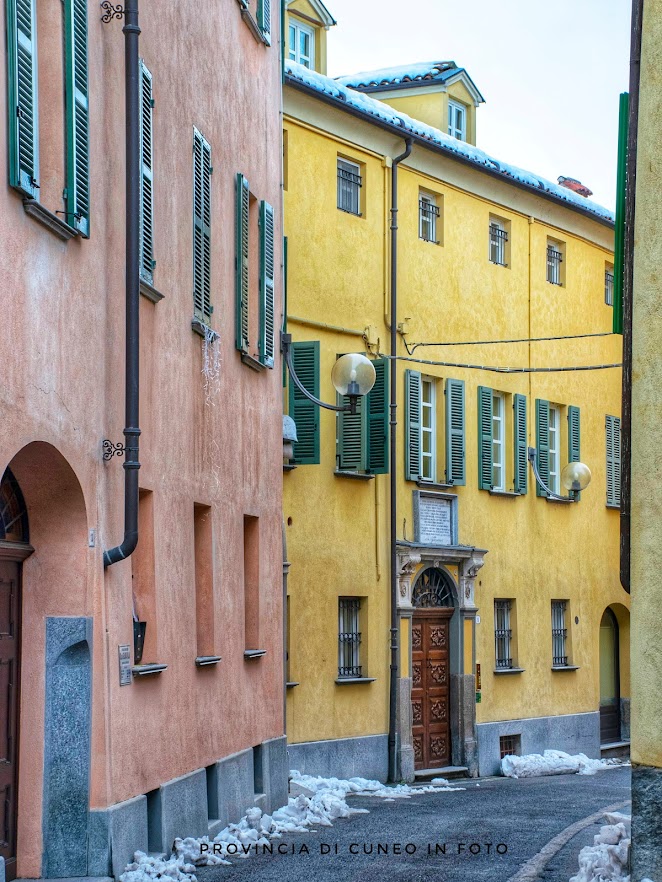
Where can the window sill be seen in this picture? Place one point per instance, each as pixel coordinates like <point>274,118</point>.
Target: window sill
<point>254,653</point>
<point>61,229</point>
<point>146,670</point>
<point>433,485</point>
<point>353,213</point>
<point>289,467</point>
<point>614,507</point>
<point>199,327</point>
<point>344,681</point>
<point>430,241</point>
<point>509,670</point>
<point>149,291</point>
<point>253,26</point>
<point>252,363</point>
<point>205,661</point>
<point>291,684</point>
<point>565,667</point>
<point>495,263</point>
<point>357,476</point>
<point>509,494</point>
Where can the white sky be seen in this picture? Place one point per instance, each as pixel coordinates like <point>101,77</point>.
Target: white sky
<point>550,74</point>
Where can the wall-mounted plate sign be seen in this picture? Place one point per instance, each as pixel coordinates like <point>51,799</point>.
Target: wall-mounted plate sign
<point>125,664</point>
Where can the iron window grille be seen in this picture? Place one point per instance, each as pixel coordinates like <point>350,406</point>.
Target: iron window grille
<point>349,637</point>
<point>559,633</point>
<point>498,239</point>
<point>609,287</point>
<point>510,745</point>
<point>428,212</point>
<point>503,633</point>
<point>554,261</point>
<point>349,187</point>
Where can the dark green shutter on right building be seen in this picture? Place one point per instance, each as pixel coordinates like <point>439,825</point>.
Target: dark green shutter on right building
<point>22,110</point>
<point>521,464</point>
<point>412,425</point>
<point>455,445</point>
<point>377,447</point>
<point>306,359</point>
<point>484,438</point>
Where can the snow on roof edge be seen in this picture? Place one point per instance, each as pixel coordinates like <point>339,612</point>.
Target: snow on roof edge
<point>371,107</point>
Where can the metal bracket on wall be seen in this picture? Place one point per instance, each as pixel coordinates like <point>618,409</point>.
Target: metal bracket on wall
<point>111,12</point>
<point>110,449</point>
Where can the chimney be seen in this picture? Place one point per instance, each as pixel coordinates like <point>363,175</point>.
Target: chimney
<point>575,186</point>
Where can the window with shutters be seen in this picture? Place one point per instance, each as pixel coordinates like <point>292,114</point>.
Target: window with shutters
<point>257,15</point>
<point>554,449</point>
<point>429,441</point>
<point>428,430</point>
<point>147,262</point>
<point>202,170</point>
<point>557,441</point>
<point>613,444</point>
<point>362,443</point>
<point>555,262</point>
<point>49,152</point>
<point>499,241</point>
<point>502,427</point>
<point>306,359</point>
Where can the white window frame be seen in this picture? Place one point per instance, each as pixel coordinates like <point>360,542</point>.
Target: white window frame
<point>296,55</point>
<point>503,635</point>
<point>350,192</point>
<point>429,406</point>
<point>498,441</point>
<point>554,447</point>
<point>554,271</point>
<point>455,131</point>
<point>427,218</point>
<point>497,243</point>
<point>609,285</point>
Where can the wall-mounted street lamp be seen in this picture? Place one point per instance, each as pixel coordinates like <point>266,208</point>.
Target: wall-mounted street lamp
<point>352,375</point>
<point>576,476</point>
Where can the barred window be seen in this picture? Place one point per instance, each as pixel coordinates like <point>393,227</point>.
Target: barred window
<point>349,637</point>
<point>554,261</point>
<point>609,285</point>
<point>349,186</point>
<point>503,633</point>
<point>428,212</point>
<point>559,633</point>
<point>498,239</point>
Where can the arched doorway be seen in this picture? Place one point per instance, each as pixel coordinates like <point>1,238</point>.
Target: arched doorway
<point>434,605</point>
<point>610,686</point>
<point>14,548</point>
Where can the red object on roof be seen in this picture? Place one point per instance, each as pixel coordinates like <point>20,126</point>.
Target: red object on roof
<point>576,186</point>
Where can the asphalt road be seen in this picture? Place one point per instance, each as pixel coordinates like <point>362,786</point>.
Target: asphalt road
<point>489,831</point>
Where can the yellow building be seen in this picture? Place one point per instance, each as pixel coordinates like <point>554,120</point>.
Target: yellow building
<point>512,627</point>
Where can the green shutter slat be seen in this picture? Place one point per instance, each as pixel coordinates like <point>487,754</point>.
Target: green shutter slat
<point>619,225</point>
<point>351,437</point>
<point>542,443</point>
<point>201,227</point>
<point>455,434</point>
<point>306,360</point>
<point>484,438</point>
<point>521,444</point>
<point>23,117</point>
<point>264,19</point>
<point>412,425</point>
<point>573,434</point>
<point>284,325</point>
<point>241,262</point>
<point>77,113</point>
<point>613,439</point>
<point>267,285</point>
<point>146,176</point>
<point>377,446</point>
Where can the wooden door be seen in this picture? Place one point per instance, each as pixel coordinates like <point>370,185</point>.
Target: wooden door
<point>430,696</point>
<point>9,693</point>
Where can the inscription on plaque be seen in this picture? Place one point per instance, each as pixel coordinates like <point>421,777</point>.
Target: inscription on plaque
<point>125,664</point>
<point>435,526</point>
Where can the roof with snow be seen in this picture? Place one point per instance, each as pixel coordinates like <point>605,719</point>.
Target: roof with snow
<point>423,73</point>
<point>325,16</point>
<point>358,103</point>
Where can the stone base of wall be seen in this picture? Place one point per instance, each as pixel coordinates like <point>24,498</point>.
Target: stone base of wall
<point>625,719</point>
<point>365,757</point>
<point>200,803</point>
<point>646,854</point>
<point>573,733</point>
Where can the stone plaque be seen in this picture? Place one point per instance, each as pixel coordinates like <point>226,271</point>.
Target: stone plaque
<point>125,664</point>
<point>435,524</point>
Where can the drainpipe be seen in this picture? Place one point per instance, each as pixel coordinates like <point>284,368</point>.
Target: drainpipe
<point>393,775</point>
<point>131,430</point>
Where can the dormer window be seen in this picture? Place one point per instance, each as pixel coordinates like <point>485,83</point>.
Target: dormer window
<point>457,120</point>
<point>302,44</point>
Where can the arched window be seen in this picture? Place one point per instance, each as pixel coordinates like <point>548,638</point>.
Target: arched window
<point>433,588</point>
<point>13,514</point>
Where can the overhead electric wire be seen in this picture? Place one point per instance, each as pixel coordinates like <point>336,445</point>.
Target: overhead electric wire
<point>504,370</point>
<point>414,346</point>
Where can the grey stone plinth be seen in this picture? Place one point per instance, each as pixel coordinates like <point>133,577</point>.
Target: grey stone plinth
<point>365,757</point>
<point>646,860</point>
<point>116,834</point>
<point>233,783</point>
<point>67,740</point>
<point>463,722</point>
<point>403,725</point>
<point>573,733</point>
<point>275,771</point>
<point>177,808</point>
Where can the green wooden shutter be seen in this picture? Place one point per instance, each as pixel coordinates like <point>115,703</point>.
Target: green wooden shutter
<point>613,431</point>
<point>267,305</point>
<point>264,19</point>
<point>542,443</point>
<point>455,435</point>
<point>241,262</point>
<point>484,438</point>
<point>377,427</point>
<point>412,425</point>
<point>306,360</point>
<point>147,262</point>
<point>573,434</point>
<point>23,116</point>
<point>351,437</point>
<point>521,444</point>
<point>201,227</point>
<point>77,112</point>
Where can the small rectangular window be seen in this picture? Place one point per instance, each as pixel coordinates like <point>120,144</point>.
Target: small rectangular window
<point>349,637</point>
<point>457,120</point>
<point>428,213</point>
<point>609,284</point>
<point>510,745</point>
<point>498,242</point>
<point>559,633</point>
<point>554,449</point>
<point>251,582</point>
<point>301,44</point>
<point>503,634</point>
<point>350,182</point>
<point>555,258</point>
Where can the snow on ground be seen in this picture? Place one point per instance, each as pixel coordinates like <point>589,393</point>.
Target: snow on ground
<point>553,762</point>
<point>320,802</point>
<point>607,860</point>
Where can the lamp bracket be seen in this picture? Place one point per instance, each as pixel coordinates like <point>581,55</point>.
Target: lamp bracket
<point>286,349</point>
<point>533,459</point>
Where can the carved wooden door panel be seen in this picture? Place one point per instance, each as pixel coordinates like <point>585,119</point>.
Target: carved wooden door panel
<point>9,657</point>
<point>430,696</point>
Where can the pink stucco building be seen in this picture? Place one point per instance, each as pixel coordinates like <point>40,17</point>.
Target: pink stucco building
<point>106,753</point>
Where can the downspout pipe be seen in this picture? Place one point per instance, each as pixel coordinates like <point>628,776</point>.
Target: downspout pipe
<point>131,430</point>
<point>393,771</point>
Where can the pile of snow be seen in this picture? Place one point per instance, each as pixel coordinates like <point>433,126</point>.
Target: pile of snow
<point>321,802</point>
<point>552,762</point>
<point>609,857</point>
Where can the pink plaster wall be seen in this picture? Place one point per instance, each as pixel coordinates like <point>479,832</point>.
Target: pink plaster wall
<point>62,338</point>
